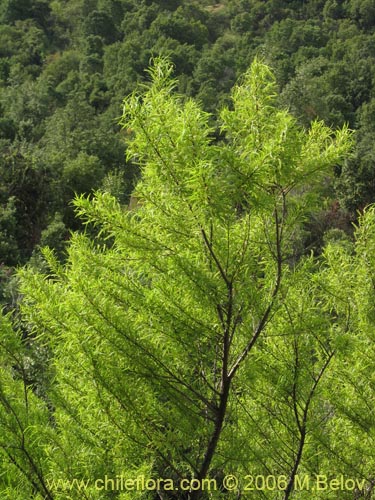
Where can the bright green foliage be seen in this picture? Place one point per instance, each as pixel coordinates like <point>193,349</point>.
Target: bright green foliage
<point>25,422</point>
<point>347,280</point>
<point>186,331</point>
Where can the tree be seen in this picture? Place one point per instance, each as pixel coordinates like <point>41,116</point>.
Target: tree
<point>160,326</point>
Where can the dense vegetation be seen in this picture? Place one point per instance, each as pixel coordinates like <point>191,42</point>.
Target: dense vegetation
<point>225,325</point>
<point>65,67</point>
<point>188,339</point>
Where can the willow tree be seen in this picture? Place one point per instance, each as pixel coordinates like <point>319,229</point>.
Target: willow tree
<point>164,322</point>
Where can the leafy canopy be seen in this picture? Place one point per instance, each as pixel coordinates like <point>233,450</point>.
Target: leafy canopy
<point>158,326</point>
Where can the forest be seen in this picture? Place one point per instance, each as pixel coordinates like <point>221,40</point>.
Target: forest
<point>187,249</point>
